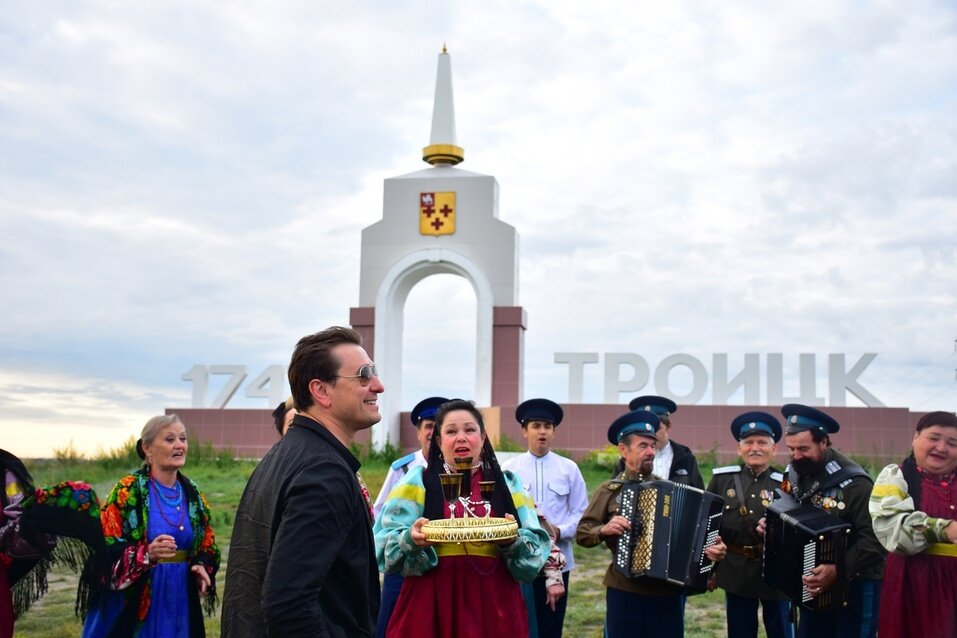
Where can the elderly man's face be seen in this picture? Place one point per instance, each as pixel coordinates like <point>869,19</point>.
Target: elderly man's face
<point>638,452</point>
<point>757,451</point>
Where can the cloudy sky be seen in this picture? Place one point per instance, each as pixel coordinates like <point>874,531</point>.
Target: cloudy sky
<point>185,184</point>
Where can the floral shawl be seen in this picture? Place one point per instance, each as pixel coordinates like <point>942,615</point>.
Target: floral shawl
<point>124,516</point>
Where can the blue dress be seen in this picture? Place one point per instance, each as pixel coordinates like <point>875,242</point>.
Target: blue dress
<point>168,615</point>
<point>169,606</point>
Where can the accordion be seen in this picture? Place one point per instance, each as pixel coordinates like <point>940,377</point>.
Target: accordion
<point>797,538</point>
<point>671,526</point>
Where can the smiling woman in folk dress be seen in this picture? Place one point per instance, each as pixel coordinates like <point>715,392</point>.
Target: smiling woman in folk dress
<point>162,548</point>
<point>914,508</point>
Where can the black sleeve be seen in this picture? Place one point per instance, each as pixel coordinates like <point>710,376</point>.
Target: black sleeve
<point>694,474</point>
<point>864,550</point>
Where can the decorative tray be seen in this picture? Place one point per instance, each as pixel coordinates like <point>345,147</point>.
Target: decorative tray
<point>470,530</point>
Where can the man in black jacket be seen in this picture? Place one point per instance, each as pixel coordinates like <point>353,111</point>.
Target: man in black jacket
<point>302,557</point>
<point>673,461</point>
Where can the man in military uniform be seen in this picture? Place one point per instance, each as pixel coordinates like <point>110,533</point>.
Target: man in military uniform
<point>747,489</point>
<point>423,418</point>
<point>635,608</point>
<point>827,479</point>
<point>673,461</point>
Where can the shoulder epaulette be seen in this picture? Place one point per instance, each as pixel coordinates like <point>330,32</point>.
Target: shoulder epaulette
<point>777,476</point>
<point>614,485</point>
<point>727,469</point>
<point>398,464</point>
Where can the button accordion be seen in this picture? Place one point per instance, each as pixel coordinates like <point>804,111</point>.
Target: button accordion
<point>671,526</point>
<point>798,537</point>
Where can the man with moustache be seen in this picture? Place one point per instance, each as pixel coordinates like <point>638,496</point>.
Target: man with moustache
<point>673,461</point>
<point>825,478</point>
<point>302,558</point>
<point>747,489</point>
<point>635,608</point>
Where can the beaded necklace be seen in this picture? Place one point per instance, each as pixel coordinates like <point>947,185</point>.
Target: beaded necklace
<point>174,502</point>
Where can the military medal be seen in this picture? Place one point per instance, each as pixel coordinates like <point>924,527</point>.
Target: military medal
<point>731,492</point>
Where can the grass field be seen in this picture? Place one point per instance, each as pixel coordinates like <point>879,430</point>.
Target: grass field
<point>223,480</point>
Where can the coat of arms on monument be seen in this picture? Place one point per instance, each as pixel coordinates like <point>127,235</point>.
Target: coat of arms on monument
<point>437,213</point>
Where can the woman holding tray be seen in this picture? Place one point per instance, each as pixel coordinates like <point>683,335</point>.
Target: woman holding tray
<point>459,589</point>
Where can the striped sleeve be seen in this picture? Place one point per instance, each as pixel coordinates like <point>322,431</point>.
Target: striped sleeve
<point>898,527</point>
<point>395,551</point>
<point>527,555</point>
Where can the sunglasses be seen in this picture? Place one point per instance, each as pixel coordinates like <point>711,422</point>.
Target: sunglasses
<point>364,376</point>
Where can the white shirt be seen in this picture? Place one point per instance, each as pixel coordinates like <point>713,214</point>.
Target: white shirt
<point>399,469</point>
<point>663,459</point>
<point>559,491</point>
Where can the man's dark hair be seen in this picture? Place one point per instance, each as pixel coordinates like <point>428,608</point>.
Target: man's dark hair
<point>631,437</point>
<point>279,417</point>
<point>313,359</point>
<point>818,435</point>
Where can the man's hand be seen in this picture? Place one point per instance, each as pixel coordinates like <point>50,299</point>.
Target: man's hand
<point>820,579</point>
<point>553,593</point>
<point>762,525</point>
<point>615,527</point>
<point>718,551</point>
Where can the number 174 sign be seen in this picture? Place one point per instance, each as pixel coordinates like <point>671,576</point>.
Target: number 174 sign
<point>270,384</point>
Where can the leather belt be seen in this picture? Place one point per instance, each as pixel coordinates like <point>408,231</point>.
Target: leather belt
<point>753,552</point>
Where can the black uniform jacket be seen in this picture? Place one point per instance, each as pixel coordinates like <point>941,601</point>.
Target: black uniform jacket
<point>740,572</point>
<point>848,501</point>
